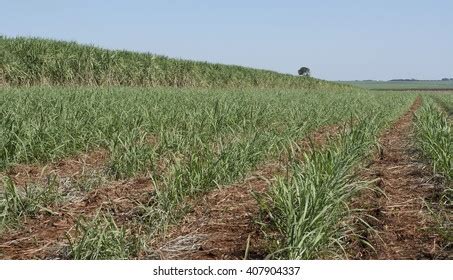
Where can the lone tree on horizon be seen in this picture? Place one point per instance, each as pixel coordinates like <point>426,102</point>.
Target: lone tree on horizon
<point>304,71</point>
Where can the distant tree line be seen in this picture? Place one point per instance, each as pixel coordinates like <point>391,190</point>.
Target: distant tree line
<point>403,80</point>
<point>415,80</point>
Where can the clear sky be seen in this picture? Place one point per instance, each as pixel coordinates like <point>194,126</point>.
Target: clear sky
<point>338,40</point>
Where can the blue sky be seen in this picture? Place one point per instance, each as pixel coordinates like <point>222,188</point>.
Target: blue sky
<point>338,40</point>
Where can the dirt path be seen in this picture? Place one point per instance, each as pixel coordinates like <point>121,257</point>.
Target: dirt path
<point>222,224</point>
<point>404,227</point>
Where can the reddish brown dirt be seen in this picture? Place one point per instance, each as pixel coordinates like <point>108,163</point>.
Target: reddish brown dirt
<point>23,174</point>
<point>222,224</point>
<point>403,224</point>
<point>43,236</point>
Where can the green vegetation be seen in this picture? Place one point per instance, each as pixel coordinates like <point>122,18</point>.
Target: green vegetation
<point>42,125</point>
<point>306,208</point>
<point>101,239</point>
<point>29,61</point>
<point>435,139</point>
<point>445,101</point>
<point>434,136</point>
<point>203,138</point>
<point>309,205</point>
<point>16,204</point>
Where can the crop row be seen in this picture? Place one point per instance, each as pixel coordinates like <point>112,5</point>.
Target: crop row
<point>208,139</point>
<point>435,138</point>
